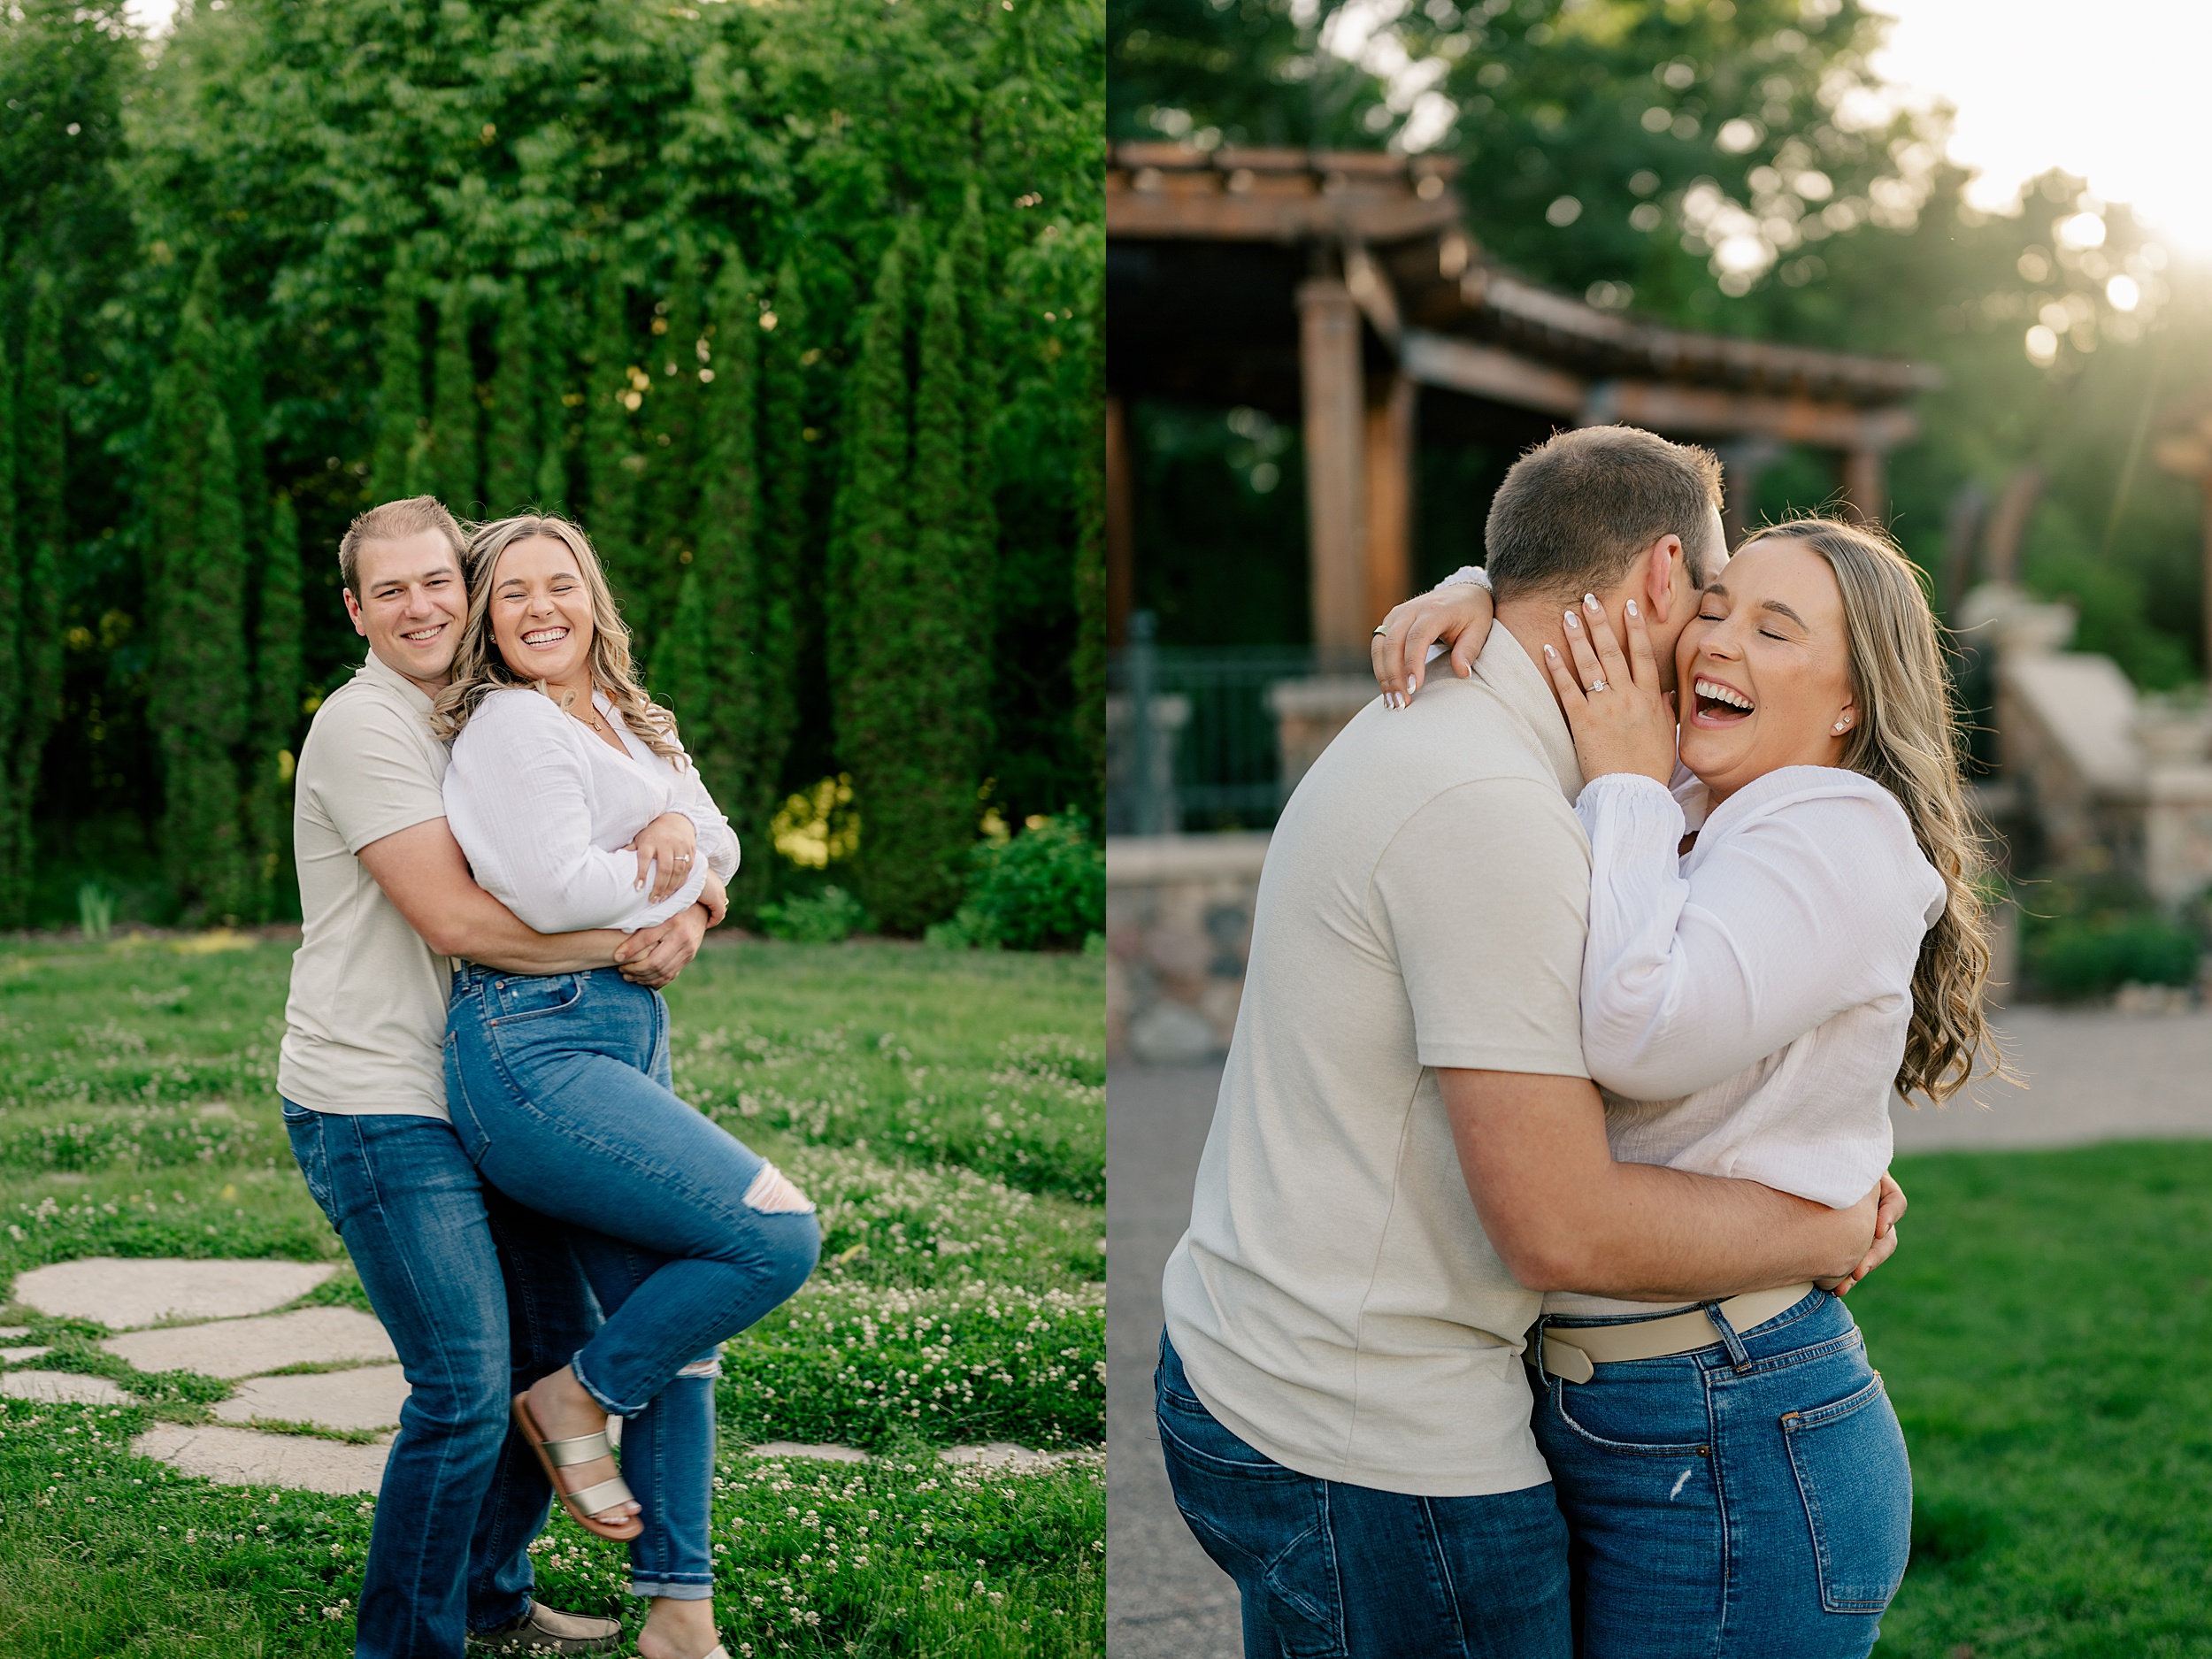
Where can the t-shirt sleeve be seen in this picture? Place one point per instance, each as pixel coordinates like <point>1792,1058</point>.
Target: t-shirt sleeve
<point>377,775</point>
<point>1483,896</point>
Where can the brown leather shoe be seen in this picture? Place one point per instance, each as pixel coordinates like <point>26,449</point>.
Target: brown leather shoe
<point>546,1630</point>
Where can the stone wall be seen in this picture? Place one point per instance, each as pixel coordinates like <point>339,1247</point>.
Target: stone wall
<point>1178,930</point>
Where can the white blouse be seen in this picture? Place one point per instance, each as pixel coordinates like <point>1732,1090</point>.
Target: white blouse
<point>542,806</point>
<point>1744,1006</point>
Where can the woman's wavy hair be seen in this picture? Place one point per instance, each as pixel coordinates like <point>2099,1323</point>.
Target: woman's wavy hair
<point>478,669</point>
<point>1907,741</point>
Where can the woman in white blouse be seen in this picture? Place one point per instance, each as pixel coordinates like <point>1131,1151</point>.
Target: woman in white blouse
<point>577,808</point>
<point>1784,933</point>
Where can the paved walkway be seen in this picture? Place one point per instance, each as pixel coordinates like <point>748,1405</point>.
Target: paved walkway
<point>2091,1076</point>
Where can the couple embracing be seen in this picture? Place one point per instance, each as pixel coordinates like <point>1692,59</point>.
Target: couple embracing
<point>503,853</point>
<point>1555,1125</point>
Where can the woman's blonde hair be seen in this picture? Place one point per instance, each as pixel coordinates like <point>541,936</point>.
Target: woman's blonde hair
<point>1906,741</point>
<point>478,669</point>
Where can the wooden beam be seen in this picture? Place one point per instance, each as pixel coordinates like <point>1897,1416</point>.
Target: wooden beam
<point>1390,496</point>
<point>1699,411</point>
<point>1464,366</point>
<point>1336,433</point>
<point>1155,207</point>
<point>1121,563</point>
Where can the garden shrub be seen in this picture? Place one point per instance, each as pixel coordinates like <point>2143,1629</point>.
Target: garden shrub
<point>1046,886</point>
<point>825,918</point>
<point>2092,958</point>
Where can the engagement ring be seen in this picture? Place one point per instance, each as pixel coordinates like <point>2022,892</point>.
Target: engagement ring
<point>1599,684</point>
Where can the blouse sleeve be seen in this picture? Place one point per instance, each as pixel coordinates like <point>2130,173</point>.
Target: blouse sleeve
<point>716,841</point>
<point>1795,915</point>
<point>517,800</point>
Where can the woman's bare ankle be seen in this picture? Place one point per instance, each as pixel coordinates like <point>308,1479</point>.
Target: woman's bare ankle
<point>678,1629</point>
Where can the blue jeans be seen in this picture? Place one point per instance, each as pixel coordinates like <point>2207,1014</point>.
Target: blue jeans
<point>1746,1500</point>
<point>480,1297</point>
<point>1327,1570</point>
<point>558,1085</point>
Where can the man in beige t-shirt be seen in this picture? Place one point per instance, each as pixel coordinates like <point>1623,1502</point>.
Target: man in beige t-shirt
<point>1408,1150</point>
<point>481,1296</point>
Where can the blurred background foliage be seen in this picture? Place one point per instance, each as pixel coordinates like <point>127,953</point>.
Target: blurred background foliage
<point>402,246</point>
<point>1732,165</point>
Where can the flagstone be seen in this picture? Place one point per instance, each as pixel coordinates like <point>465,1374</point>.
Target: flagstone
<point>56,1388</point>
<point>16,1355</point>
<point>793,1448</point>
<point>366,1399</point>
<point>124,1294</point>
<point>247,1347</point>
<point>247,1457</point>
<point>7,1331</point>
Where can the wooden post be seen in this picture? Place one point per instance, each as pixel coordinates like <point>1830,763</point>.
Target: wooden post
<point>1389,498</point>
<point>1741,462</point>
<point>1336,432</point>
<point>2205,479</point>
<point>1121,567</point>
<point>1865,488</point>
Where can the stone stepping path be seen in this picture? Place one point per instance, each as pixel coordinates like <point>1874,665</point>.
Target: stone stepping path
<point>218,1318</point>
<point>366,1399</point>
<point>243,1457</point>
<point>55,1387</point>
<point>124,1296</point>
<point>250,1347</point>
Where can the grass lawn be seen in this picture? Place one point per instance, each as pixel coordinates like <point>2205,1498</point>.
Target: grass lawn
<point>2046,1332</point>
<point>947,1111</point>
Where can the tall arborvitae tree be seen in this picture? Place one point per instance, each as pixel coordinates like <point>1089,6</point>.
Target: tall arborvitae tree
<point>873,691</point>
<point>511,448</point>
<point>42,528</point>
<point>790,572</point>
<point>278,674</point>
<point>684,676</point>
<point>979,323</point>
<point>453,409</point>
<point>947,629</point>
<point>1089,665</point>
<point>399,413</point>
<point>245,403</point>
<point>671,443</point>
<point>749,610</point>
<point>612,462</point>
<point>198,699</point>
<point>15,812</point>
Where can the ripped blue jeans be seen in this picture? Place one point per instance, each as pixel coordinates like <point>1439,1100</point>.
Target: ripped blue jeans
<point>1747,1500</point>
<point>558,1086</point>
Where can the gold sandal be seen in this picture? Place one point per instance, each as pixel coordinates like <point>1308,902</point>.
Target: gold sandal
<point>582,1505</point>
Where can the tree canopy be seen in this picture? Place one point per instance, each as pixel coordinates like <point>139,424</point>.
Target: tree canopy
<point>601,256</point>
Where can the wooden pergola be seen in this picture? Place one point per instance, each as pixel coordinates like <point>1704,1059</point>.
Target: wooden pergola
<point>1331,286</point>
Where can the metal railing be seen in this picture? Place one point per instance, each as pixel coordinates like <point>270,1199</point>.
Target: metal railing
<point>1192,732</point>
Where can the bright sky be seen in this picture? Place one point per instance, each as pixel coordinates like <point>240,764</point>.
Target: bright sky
<point>2113,91</point>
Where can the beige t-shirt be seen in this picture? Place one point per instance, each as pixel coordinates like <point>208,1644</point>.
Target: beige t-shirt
<point>365,1027</point>
<point>1424,901</point>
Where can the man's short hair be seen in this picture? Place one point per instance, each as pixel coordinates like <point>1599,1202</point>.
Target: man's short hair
<point>1575,512</point>
<point>395,521</point>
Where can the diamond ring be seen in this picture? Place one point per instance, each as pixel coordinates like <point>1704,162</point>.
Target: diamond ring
<point>1599,684</point>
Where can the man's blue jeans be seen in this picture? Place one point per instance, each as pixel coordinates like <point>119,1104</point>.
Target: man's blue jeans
<point>559,1089</point>
<point>480,1297</point>
<point>1328,1571</point>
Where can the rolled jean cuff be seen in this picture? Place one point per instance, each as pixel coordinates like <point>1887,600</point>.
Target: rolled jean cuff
<point>576,1369</point>
<point>674,1589</point>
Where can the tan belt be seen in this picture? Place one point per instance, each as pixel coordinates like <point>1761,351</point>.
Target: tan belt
<point>1594,1345</point>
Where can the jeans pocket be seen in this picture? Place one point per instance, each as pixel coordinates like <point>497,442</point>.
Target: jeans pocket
<point>305,1129</point>
<point>526,996</point>
<point>1265,1526</point>
<point>1856,1483</point>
